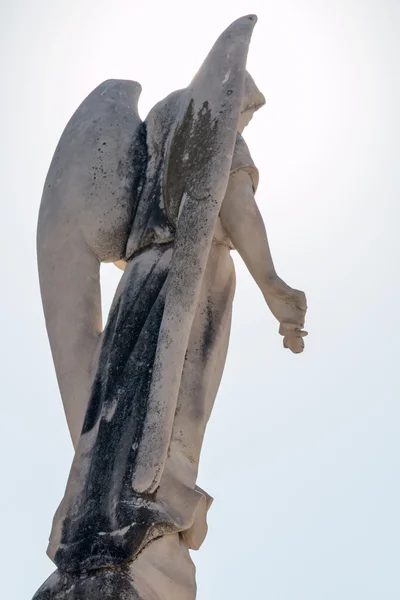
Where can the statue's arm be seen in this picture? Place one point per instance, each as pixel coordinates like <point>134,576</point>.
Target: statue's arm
<point>244,224</point>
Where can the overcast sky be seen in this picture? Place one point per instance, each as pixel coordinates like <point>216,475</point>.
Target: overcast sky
<point>302,452</point>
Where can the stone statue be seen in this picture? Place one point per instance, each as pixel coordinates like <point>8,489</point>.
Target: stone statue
<point>166,199</point>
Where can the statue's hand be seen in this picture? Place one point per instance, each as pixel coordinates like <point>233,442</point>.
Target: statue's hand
<point>293,337</point>
<point>289,307</point>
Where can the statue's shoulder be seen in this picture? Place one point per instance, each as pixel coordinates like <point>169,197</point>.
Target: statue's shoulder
<point>242,160</point>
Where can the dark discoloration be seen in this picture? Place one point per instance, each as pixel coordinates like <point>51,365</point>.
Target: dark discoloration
<point>108,240</point>
<point>140,306</point>
<point>96,170</point>
<point>210,329</point>
<point>113,584</point>
<point>151,224</point>
<point>117,408</point>
<point>193,143</point>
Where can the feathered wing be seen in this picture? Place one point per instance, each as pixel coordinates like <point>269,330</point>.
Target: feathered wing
<point>197,168</point>
<point>85,217</point>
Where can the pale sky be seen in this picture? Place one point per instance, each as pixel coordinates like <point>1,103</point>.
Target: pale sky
<point>302,452</point>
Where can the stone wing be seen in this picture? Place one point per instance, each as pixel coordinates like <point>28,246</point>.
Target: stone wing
<point>198,164</point>
<point>86,213</point>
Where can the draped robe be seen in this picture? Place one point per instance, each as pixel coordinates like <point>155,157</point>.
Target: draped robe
<point>103,520</point>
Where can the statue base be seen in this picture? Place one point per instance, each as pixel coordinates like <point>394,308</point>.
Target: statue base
<point>163,571</point>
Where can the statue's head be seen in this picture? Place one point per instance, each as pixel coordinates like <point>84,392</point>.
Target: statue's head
<point>252,100</point>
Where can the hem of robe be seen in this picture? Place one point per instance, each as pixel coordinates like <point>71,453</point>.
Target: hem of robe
<point>190,520</point>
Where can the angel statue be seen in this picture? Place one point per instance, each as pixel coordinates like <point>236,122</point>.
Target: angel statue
<point>166,199</point>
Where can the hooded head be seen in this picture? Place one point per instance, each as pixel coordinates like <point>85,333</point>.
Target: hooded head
<point>252,100</point>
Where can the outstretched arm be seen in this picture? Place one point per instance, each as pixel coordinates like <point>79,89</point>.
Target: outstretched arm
<point>243,223</point>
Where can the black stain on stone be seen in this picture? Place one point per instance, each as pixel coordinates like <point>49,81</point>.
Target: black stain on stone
<point>109,241</point>
<point>210,329</point>
<point>109,584</point>
<point>118,406</point>
<point>193,144</point>
<point>107,521</point>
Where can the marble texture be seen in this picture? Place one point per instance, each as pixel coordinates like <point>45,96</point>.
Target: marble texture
<point>85,218</point>
<point>163,571</point>
<point>166,199</point>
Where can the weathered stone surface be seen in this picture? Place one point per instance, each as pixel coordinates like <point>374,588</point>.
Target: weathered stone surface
<point>163,571</point>
<point>138,396</point>
<point>85,217</point>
